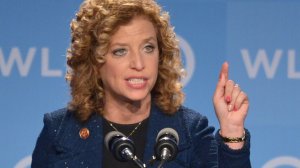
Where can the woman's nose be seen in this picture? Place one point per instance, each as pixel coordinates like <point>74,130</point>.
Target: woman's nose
<point>137,61</point>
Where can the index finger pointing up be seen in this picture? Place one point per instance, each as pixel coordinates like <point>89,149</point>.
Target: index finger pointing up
<point>220,90</point>
<point>224,70</point>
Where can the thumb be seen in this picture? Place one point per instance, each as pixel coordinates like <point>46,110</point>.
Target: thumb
<point>223,77</point>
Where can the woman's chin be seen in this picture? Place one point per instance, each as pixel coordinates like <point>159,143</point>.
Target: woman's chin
<point>139,97</point>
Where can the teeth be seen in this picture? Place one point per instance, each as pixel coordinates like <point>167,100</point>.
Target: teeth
<point>136,81</point>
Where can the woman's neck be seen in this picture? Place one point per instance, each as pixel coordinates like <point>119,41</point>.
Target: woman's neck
<point>127,112</point>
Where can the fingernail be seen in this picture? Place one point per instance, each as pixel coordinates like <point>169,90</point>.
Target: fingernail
<point>228,99</point>
<point>234,108</point>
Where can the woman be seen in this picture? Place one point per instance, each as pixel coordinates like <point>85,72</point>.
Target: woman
<point>125,72</point>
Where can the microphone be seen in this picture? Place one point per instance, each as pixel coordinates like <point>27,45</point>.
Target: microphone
<point>166,145</point>
<point>122,148</point>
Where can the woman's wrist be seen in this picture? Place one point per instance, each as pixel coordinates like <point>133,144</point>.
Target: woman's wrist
<point>232,131</point>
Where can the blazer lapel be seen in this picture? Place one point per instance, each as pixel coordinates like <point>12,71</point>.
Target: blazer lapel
<point>69,142</point>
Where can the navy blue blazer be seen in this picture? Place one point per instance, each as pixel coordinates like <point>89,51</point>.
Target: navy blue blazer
<point>60,146</point>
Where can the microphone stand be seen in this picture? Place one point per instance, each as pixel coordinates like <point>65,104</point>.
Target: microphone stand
<point>161,163</point>
<point>138,162</point>
<point>166,154</point>
<point>129,155</point>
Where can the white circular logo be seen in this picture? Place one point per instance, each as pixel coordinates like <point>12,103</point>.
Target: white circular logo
<point>24,163</point>
<point>188,54</point>
<point>283,161</point>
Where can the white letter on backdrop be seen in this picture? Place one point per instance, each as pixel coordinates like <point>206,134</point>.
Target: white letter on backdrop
<point>45,65</point>
<point>292,73</point>
<point>261,58</point>
<point>15,56</point>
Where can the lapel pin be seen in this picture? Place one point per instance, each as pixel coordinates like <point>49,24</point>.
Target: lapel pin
<point>84,133</point>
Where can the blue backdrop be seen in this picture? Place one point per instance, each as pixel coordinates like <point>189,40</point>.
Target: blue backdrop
<point>259,38</point>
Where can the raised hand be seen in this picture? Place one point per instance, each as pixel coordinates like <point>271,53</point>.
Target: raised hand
<point>231,106</point>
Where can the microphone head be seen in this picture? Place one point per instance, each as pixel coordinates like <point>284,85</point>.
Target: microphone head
<point>109,136</point>
<point>116,143</point>
<point>168,131</point>
<point>166,146</point>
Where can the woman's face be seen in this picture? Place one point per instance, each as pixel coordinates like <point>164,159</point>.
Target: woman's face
<point>131,66</point>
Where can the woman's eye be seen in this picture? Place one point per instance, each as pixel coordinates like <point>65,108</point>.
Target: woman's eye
<point>119,52</point>
<point>149,48</point>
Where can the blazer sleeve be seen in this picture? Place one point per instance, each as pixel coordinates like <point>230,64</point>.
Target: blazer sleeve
<point>209,151</point>
<point>229,158</point>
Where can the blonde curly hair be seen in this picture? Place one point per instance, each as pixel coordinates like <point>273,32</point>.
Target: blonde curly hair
<point>91,29</point>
